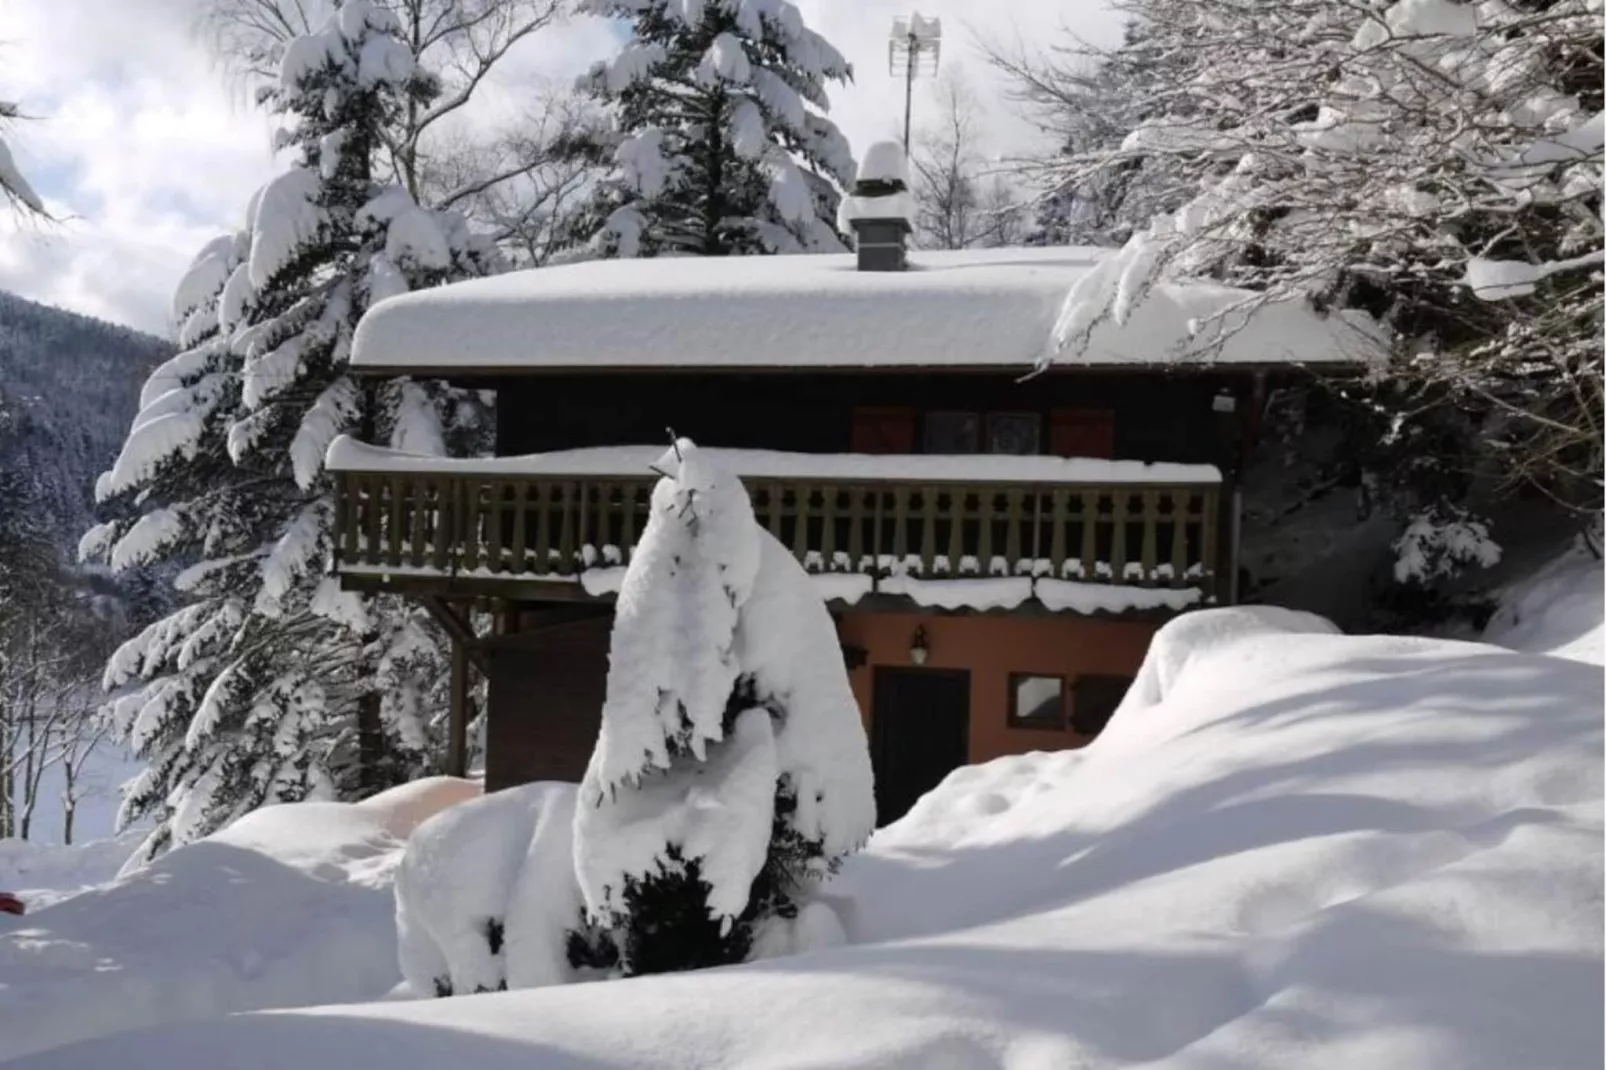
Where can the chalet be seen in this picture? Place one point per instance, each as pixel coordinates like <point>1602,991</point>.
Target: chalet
<point>996,546</point>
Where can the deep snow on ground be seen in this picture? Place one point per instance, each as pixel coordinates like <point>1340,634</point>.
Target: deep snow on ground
<point>1289,849</point>
<point>43,874</point>
<point>290,905</point>
<point>1556,610</point>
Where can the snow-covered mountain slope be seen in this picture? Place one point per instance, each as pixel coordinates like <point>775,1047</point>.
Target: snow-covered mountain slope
<point>69,385</point>
<point>1290,848</point>
<point>290,905</point>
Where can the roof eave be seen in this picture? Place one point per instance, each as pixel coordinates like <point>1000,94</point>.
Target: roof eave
<point>519,371</point>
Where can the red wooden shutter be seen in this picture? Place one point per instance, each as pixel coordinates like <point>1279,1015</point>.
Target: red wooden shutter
<point>1082,433</point>
<point>883,430</point>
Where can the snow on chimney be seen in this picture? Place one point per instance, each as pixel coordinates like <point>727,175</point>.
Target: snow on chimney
<point>880,208</point>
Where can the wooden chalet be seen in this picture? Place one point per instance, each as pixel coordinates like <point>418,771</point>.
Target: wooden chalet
<point>996,546</point>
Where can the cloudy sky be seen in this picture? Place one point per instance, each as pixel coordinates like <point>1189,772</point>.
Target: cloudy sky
<point>144,151</point>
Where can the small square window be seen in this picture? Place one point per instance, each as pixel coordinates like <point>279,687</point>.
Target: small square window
<point>1036,701</point>
<point>1016,433</point>
<point>1093,700</point>
<point>952,432</point>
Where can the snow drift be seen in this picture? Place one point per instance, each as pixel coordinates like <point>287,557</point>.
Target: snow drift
<point>290,905</point>
<point>1297,849</point>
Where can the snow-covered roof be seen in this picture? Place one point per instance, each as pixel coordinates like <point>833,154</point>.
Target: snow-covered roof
<point>349,455</point>
<point>951,309</point>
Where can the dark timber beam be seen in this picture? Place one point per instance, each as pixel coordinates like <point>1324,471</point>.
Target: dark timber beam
<point>456,626</point>
<point>457,720</point>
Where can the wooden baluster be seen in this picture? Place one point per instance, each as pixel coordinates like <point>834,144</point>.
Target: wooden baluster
<point>828,493</point>
<point>1151,534</point>
<point>958,500</point>
<point>900,524</point>
<point>373,550</point>
<point>348,518</point>
<point>473,488</point>
<point>855,526</point>
<point>521,490</point>
<point>774,492</point>
<point>545,492</point>
<point>1210,583</point>
<point>984,541</point>
<point>1090,535</point>
<point>1014,498</point>
<point>585,492</point>
<point>417,487</point>
<point>1036,510</point>
<point>1058,521</point>
<point>393,521</point>
<point>800,521</point>
<point>604,495</point>
<point>1181,503</point>
<point>567,521</point>
<point>928,529</point>
<point>440,557</point>
<point>493,525</point>
<point>878,542</point>
<point>630,498</point>
<point>1118,541</point>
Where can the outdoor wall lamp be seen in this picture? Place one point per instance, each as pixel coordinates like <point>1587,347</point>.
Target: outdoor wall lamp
<point>919,647</point>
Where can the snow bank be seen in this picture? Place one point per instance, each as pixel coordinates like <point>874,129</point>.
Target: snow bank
<point>42,874</point>
<point>289,905</point>
<point>1305,849</point>
<point>972,307</point>
<point>1557,610</point>
<point>485,893</point>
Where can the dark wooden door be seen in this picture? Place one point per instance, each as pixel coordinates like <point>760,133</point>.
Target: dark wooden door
<point>546,688</point>
<point>920,731</point>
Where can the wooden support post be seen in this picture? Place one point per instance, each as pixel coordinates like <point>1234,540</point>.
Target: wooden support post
<point>457,719</point>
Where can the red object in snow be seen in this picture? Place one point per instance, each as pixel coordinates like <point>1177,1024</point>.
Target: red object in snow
<point>10,904</point>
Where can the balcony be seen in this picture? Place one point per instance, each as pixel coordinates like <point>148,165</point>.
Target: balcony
<point>1032,534</point>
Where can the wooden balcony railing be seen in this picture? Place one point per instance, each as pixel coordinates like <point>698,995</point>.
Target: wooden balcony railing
<point>510,528</point>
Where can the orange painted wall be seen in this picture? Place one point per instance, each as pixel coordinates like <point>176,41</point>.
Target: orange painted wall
<point>991,648</point>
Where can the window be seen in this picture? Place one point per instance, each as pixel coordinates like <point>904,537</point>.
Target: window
<point>1082,433</point>
<point>883,430</point>
<point>1036,701</point>
<point>952,432</point>
<point>1014,433</point>
<point>1093,699</point>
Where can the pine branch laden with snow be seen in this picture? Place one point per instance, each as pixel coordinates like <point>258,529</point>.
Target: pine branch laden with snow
<point>731,773</point>
<point>1441,543</point>
<point>258,689</point>
<point>14,185</point>
<point>1435,162</point>
<point>720,140</point>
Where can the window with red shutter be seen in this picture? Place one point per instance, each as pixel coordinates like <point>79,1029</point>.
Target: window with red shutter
<point>883,430</point>
<point>1082,433</point>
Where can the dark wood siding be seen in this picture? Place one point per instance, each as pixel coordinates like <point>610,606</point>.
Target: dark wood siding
<point>1157,416</point>
<point>545,694</point>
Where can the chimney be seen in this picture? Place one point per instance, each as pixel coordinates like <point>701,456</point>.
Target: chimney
<point>880,207</point>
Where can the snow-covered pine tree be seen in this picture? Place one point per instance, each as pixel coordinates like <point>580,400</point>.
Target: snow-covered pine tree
<point>269,683</point>
<point>731,773</point>
<point>720,143</point>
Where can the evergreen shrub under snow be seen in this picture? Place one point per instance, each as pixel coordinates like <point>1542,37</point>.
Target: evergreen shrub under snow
<point>731,774</point>
<point>731,777</point>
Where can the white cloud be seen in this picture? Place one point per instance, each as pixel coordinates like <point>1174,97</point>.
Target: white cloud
<point>144,152</point>
<point>139,150</point>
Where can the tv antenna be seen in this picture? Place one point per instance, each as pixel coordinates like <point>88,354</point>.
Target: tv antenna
<point>913,48</point>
